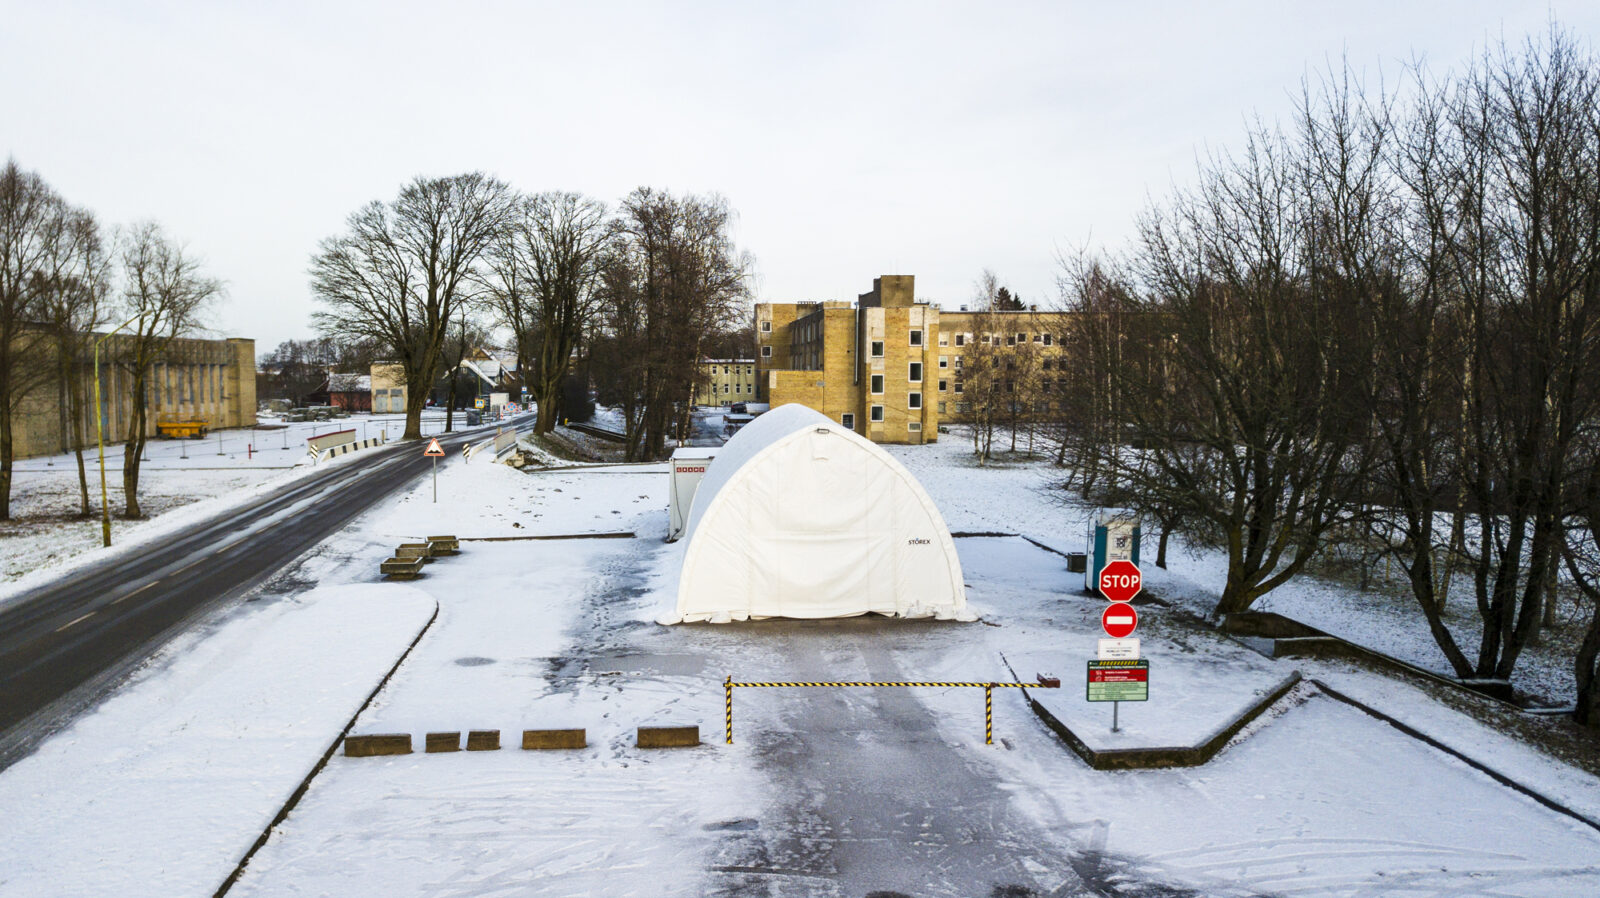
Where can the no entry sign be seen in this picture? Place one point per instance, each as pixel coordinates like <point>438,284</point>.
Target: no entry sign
<point>1119,581</point>
<point>1119,620</point>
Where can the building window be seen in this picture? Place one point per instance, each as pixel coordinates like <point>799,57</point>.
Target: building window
<point>914,426</point>
<point>987,339</point>
<point>1047,339</point>
<point>877,383</point>
<point>963,407</point>
<point>913,400</point>
<point>958,386</point>
<point>1022,338</point>
<point>1011,341</point>
<point>766,352</point>
<point>877,349</point>
<point>1038,338</point>
<point>738,388</point>
<point>1047,364</point>
<point>766,327</point>
<point>944,385</point>
<point>914,372</point>
<point>941,408</point>
<point>726,389</point>
<point>877,413</point>
<point>961,339</point>
<point>848,420</point>
<point>958,363</point>
<point>944,361</point>
<point>944,339</point>
<point>916,338</point>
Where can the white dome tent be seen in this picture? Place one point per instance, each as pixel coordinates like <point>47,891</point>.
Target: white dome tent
<point>799,517</point>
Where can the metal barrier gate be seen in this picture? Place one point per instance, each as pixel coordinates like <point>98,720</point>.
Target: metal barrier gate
<point>988,695</point>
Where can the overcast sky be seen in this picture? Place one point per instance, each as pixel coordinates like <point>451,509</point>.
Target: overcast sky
<point>854,139</point>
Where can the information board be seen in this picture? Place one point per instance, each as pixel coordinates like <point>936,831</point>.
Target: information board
<point>1119,681</point>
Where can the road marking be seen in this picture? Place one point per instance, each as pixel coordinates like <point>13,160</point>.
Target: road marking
<point>230,545</point>
<point>130,595</point>
<point>72,622</point>
<point>187,566</point>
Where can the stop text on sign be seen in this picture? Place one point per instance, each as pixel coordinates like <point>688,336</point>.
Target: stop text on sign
<point>1120,581</point>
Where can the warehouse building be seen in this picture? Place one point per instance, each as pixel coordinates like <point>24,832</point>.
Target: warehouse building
<point>207,380</point>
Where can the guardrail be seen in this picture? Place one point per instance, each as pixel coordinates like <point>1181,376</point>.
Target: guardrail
<point>728,685</point>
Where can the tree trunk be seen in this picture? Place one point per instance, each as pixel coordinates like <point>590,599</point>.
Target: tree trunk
<point>6,448</point>
<point>450,401</point>
<point>1586,668</point>
<point>1161,546</point>
<point>133,451</point>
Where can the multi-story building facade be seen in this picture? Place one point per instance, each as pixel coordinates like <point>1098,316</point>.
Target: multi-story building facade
<point>209,380</point>
<point>892,368</point>
<point>725,381</point>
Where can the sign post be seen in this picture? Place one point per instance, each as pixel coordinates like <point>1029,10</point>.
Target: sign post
<point>435,452</point>
<point>1118,681</point>
<point>1119,675</point>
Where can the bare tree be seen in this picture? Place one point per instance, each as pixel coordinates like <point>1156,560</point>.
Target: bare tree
<point>544,288</point>
<point>1246,431</point>
<point>399,273</point>
<point>674,261</point>
<point>73,294</point>
<point>30,216</point>
<point>165,293</point>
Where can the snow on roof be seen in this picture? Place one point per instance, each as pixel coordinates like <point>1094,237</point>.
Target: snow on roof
<point>349,383</point>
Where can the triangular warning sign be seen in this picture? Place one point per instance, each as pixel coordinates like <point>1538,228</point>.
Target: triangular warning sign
<point>434,448</point>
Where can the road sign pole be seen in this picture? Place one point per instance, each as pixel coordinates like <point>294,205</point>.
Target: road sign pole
<point>436,481</point>
<point>1114,706</point>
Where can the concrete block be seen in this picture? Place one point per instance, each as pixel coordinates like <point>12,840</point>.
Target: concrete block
<point>442,742</point>
<point>483,740</point>
<point>413,550</point>
<point>377,744</point>
<point>669,737</point>
<point>554,739</point>
<point>402,568</point>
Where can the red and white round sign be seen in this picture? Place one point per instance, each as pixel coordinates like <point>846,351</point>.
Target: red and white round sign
<point>1119,581</point>
<point>1119,620</point>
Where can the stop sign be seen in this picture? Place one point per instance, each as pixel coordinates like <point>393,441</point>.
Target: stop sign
<point>1119,620</point>
<point>1119,581</point>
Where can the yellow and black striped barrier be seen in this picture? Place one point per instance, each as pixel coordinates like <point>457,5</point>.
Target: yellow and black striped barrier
<point>988,695</point>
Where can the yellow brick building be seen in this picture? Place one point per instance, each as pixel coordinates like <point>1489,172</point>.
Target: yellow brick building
<point>209,380</point>
<point>725,381</point>
<point>893,368</point>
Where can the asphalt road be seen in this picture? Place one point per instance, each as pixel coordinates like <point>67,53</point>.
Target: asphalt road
<point>61,643</point>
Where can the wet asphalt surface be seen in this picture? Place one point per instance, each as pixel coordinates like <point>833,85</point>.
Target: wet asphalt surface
<point>63,645</point>
<point>866,798</point>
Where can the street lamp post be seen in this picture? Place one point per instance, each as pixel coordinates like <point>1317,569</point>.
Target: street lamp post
<point>100,434</point>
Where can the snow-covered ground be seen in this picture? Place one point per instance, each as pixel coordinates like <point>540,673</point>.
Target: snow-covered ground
<point>844,792</point>
<point>180,481</point>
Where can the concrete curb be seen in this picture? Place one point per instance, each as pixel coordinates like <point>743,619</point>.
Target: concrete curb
<point>305,784</point>
<point>1285,637</point>
<point>1168,756</point>
<point>1479,766</point>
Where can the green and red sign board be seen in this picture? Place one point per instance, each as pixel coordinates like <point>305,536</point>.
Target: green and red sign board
<point>1119,681</point>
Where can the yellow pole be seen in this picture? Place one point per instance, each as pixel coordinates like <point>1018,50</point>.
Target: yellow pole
<point>100,434</point>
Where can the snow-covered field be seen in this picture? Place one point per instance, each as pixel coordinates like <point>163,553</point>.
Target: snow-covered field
<point>180,481</point>
<point>831,792</point>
